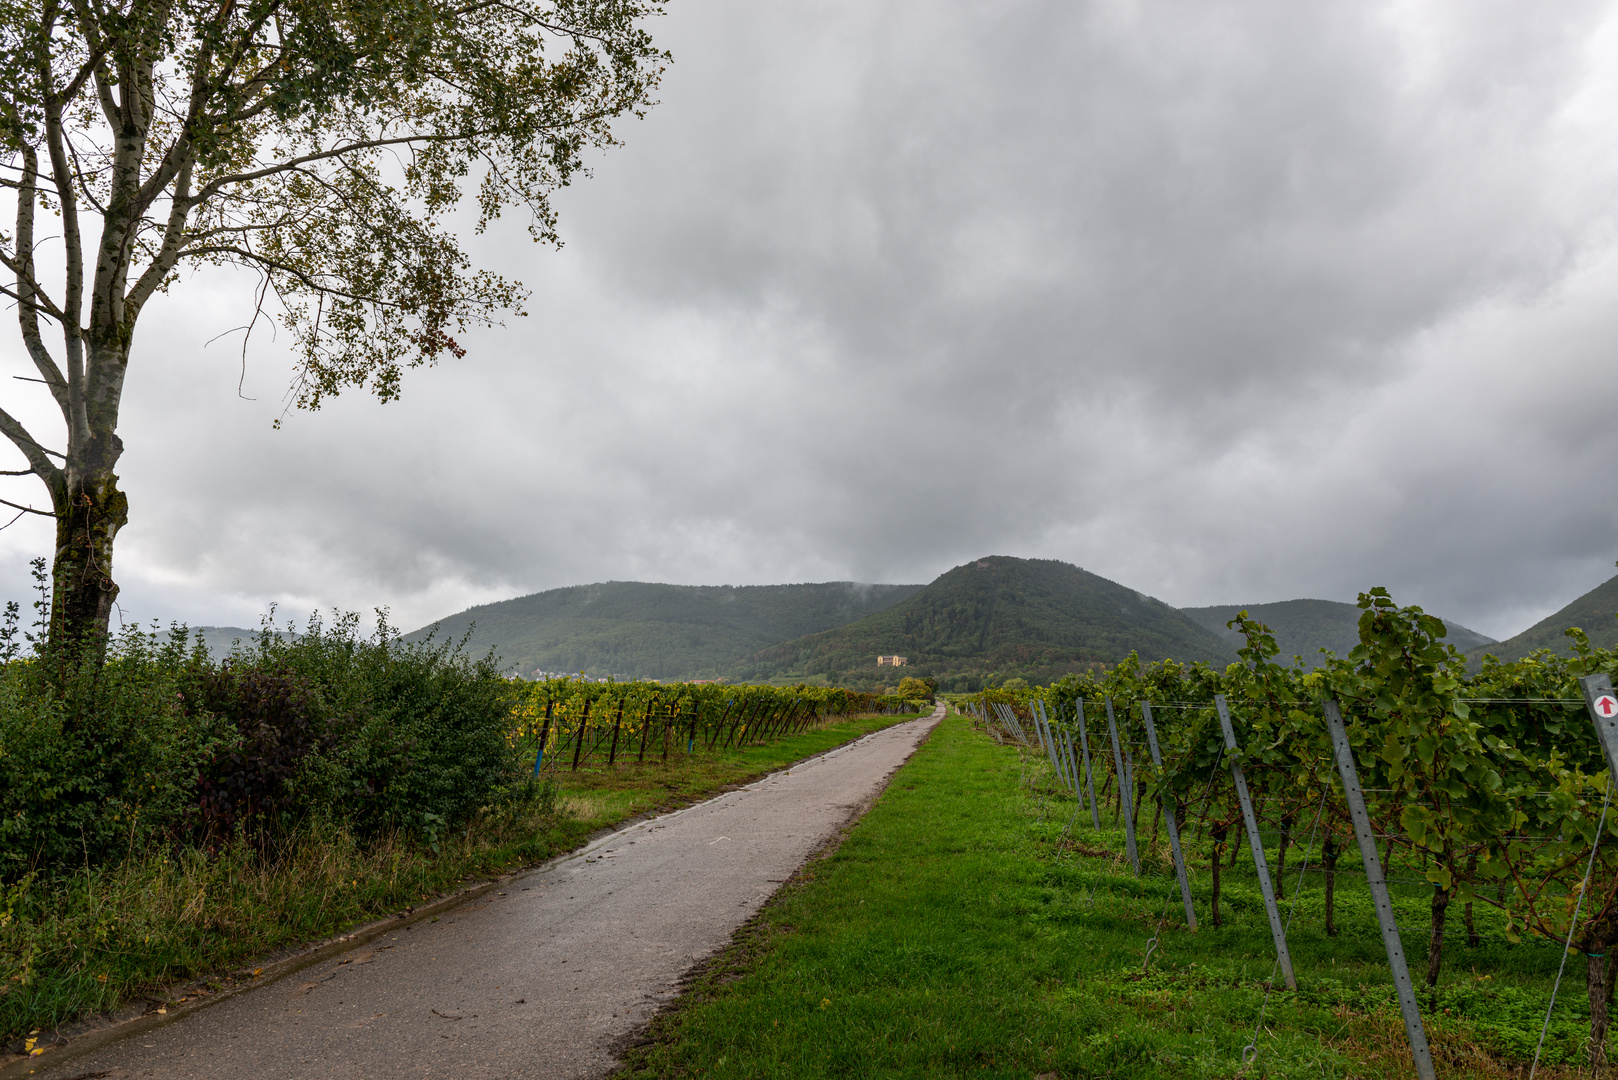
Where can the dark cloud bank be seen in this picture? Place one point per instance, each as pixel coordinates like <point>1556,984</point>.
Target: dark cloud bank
<point>1228,302</point>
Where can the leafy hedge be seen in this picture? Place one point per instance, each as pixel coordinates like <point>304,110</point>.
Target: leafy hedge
<point>163,745</point>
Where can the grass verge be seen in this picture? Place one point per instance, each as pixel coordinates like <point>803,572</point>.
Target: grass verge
<point>103,937</point>
<point>955,933</point>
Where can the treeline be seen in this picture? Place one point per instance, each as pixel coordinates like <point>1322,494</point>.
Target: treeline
<point>1493,786</point>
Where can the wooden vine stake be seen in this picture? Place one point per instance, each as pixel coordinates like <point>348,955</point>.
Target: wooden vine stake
<point>1349,773</point>
<point>1126,796</point>
<point>1277,930</point>
<point>1168,821</point>
<point>544,733</point>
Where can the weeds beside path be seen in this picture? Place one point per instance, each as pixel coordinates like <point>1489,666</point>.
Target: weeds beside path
<point>111,935</point>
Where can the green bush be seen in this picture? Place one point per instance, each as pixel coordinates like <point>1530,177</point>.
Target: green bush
<point>95,763</point>
<point>422,729</point>
<point>161,746</point>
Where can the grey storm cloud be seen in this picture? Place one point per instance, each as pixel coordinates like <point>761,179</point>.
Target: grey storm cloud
<point>1228,301</point>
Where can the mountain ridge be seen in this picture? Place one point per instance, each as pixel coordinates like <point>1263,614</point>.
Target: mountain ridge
<point>990,619</point>
<point>1303,627</point>
<point>1593,612</point>
<point>656,630</point>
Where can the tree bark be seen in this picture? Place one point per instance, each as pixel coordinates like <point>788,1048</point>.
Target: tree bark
<point>1218,833</point>
<point>89,514</point>
<point>1598,988</point>
<point>1599,975</point>
<point>1281,858</point>
<point>1328,855</point>
<point>1435,943</point>
<point>1471,927</point>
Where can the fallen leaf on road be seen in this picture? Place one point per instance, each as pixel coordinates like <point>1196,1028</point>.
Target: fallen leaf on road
<point>308,986</point>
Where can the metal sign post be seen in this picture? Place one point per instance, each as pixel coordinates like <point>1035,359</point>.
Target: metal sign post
<point>1126,797</point>
<point>1089,777</point>
<point>1168,820</point>
<point>1379,890</point>
<point>1602,704</point>
<point>1256,842</point>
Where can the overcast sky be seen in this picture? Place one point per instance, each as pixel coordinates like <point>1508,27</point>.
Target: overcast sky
<point>1229,302</point>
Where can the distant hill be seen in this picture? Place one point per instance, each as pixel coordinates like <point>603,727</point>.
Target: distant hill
<point>220,639</point>
<point>992,619</point>
<point>1303,627</point>
<point>1594,613</point>
<point>646,630</point>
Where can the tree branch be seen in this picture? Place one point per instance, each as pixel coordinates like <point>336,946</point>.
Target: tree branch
<point>27,289</point>
<point>36,454</point>
<point>25,509</point>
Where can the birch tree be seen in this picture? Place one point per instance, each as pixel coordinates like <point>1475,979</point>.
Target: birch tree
<point>320,144</point>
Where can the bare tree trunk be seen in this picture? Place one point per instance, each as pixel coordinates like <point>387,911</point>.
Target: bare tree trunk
<point>1328,855</point>
<point>1471,927</point>
<point>1218,833</point>
<point>1599,972</point>
<point>1435,943</point>
<point>1598,988</point>
<point>88,517</point>
<point>1612,976</point>
<point>1281,859</point>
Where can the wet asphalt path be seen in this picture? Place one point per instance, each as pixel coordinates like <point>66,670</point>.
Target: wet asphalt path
<point>542,979</point>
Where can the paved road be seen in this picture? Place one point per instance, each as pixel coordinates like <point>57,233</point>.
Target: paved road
<point>542,979</point>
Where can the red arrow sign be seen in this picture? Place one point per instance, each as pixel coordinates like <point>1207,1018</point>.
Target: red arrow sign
<point>1606,705</point>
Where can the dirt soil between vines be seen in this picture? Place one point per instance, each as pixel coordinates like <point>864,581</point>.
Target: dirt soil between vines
<point>547,976</point>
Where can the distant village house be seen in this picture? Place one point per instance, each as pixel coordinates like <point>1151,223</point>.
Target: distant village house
<point>891,661</point>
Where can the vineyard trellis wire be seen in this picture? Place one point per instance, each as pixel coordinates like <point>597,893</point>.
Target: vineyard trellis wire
<point>1489,784</point>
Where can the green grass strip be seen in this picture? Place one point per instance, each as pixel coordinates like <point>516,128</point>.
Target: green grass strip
<point>952,935</point>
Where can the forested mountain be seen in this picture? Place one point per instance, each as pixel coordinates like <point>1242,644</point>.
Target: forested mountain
<point>1594,613</point>
<point>992,619</point>
<point>1304,627</point>
<point>656,631</point>
<point>983,622</point>
<point>221,639</point>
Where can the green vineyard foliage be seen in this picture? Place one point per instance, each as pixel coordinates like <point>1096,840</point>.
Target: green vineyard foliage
<point>569,723</point>
<point>1492,784</point>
